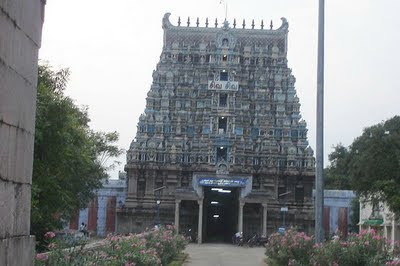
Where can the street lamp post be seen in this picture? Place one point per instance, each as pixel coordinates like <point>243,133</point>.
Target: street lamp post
<point>158,212</point>
<point>319,181</point>
<point>157,193</point>
<point>284,209</point>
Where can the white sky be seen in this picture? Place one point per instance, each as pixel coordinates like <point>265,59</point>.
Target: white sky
<point>112,47</point>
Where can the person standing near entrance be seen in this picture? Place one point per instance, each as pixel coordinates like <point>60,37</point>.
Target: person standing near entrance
<point>237,237</point>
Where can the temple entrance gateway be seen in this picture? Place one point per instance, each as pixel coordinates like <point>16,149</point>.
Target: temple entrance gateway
<point>220,213</point>
<point>221,200</point>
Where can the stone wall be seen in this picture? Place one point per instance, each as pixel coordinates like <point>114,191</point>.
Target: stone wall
<point>20,35</point>
<point>110,197</point>
<point>337,204</point>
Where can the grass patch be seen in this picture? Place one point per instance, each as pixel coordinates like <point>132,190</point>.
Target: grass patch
<point>178,261</point>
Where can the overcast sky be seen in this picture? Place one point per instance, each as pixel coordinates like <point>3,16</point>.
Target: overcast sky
<point>112,47</point>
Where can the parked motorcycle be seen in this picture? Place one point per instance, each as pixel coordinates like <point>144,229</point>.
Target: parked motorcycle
<point>257,240</point>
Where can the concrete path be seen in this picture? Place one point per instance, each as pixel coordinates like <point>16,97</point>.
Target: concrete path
<point>224,255</point>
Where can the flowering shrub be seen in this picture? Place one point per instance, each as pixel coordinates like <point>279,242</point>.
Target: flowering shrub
<point>167,243</point>
<point>60,252</point>
<point>366,248</point>
<point>394,262</point>
<point>291,248</point>
<point>155,247</point>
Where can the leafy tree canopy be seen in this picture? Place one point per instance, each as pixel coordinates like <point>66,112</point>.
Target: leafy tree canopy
<point>371,165</point>
<point>336,175</point>
<point>70,159</point>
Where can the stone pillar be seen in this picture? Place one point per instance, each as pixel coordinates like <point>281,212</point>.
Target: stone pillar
<point>20,34</point>
<point>132,185</point>
<point>385,232</point>
<point>393,230</point>
<point>200,222</point>
<point>150,183</point>
<point>132,190</point>
<point>240,216</point>
<point>177,202</point>
<point>264,223</point>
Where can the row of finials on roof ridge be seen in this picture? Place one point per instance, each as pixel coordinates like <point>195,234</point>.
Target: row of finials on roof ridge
<point>225,23</point>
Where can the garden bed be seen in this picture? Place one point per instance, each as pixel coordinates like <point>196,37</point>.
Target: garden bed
<point>155,247</point>
<point>366,248</point>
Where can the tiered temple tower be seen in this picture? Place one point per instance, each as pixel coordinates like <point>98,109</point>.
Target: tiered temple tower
<point>222,112</point>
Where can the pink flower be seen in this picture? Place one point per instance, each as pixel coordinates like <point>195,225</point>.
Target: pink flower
<point>395,262</point>
<point>142,251</point>
<point>49,235</point>
<point>376,237</point>
<point>366,243</point>
<point>42,256</point>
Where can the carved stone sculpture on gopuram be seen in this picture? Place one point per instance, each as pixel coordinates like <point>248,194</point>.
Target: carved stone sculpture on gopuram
<point>222,115</point>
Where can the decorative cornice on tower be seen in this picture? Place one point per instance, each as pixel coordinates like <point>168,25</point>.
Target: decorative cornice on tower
<point>166,25</point>
<point>195,34</point>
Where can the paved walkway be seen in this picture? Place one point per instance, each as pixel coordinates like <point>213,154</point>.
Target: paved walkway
<point>224,255</point>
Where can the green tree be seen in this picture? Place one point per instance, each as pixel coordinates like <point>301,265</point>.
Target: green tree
<point>70,159</point>
<point>336,175</point>
<point>370,165</point>
<point>375,163</point>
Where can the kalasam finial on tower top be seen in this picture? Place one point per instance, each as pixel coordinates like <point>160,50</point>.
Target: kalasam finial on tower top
<point>262,24</point>
<point>225,25</point>
<point>206,22</point>
<point>271,26</point>
<point>179,21</point>
<point>188,22</point>
<point>252,24</point>
<point>234,23</point>
<point>216,23</point>
<point>197,22</point>
<point>244,24</point>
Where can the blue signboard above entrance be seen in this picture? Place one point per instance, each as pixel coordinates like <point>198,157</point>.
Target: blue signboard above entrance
<point>222,182</point>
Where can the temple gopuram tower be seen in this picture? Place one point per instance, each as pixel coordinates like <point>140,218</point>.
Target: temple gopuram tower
<point>221,146</point>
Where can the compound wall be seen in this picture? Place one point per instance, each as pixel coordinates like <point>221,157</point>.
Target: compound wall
<point>20,34</point>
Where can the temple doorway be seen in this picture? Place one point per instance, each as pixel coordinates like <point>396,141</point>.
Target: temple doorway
<point>220,213</point>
